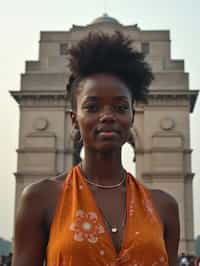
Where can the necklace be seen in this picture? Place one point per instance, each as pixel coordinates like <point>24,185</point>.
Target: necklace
<point>103,186</point>
<point>113,228</point>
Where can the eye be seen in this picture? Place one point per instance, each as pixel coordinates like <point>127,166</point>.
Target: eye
<point>121,108</point>
<point>92,107</point>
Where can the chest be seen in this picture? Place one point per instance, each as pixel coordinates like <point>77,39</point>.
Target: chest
<point>82,228</point>
<point>113,206</point>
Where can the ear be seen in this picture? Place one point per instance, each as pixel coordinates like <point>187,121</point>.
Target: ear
<point>74,119</point>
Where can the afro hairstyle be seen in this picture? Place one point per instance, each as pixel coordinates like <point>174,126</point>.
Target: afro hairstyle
<point>112,54</point>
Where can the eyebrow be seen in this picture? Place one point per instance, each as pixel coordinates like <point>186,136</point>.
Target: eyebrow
<point>95,98</point>
<point>92,98</point>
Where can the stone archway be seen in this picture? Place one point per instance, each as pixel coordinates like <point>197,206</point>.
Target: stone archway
<point>42,95</point>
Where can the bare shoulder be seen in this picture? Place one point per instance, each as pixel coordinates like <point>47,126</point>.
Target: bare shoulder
<point>167,208</point>
<point>165,204</point>
<point>39,200</point>
<point>163,198</point>
<point>33,218</point>
<point>42,197</point>
<point>40,190</point>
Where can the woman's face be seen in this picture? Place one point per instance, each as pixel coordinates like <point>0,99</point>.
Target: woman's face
<point>103,112</point>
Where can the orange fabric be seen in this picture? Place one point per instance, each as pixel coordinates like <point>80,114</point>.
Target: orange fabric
<point>79,237</point>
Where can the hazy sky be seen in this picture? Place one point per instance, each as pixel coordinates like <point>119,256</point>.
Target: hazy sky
<point>20,24</point>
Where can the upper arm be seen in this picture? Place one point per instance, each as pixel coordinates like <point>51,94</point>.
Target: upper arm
<point>172,230</point>
<point>29,237</point>
<point>167,208</point>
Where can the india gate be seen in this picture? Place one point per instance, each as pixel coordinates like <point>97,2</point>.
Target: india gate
<point>161,130</point>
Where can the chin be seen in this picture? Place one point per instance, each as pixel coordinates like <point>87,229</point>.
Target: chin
<point>109,147</point>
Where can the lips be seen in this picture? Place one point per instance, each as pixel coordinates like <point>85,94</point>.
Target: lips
<point>107,132</point>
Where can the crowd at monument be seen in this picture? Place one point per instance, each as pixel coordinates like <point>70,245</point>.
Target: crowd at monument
<point>188,260</point>
<point>6,260</point>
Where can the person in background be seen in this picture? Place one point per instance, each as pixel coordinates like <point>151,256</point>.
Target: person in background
<point>184,260</point>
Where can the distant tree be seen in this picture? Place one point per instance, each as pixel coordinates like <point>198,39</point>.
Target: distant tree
<point>197,245</point>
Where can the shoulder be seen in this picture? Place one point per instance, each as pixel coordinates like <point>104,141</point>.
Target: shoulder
<point>41,189</point>
<point>33,218</point>
<point>159,197</point>
<point>163,198</point>
<point>38,202</point>
<point>43,186</point>
<point>31,230</point>
<point>167,208</point>
<point>41,195</point>
<point>165,205</point>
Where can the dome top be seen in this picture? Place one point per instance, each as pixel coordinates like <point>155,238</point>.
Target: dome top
<point>105,18</point>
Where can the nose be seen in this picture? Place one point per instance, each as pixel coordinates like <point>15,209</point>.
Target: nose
<point>107,115</point>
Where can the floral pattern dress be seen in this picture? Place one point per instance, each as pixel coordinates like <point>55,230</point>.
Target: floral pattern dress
<point>78,235</point>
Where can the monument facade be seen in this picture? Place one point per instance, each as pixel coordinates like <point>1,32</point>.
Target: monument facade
<point>161,129</point>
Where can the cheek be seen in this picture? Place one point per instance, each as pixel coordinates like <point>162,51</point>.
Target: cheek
<point>127,125</point>
<point>128,121</point>
<point>86,127</point>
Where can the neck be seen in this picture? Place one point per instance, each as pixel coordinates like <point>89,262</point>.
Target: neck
<point>103,168</point>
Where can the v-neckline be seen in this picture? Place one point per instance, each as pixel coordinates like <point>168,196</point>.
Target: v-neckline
<point>103,221</point>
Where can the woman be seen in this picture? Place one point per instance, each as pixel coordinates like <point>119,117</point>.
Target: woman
<point>98,214</point>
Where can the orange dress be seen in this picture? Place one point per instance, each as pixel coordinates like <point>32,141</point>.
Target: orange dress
<point>79,236</point>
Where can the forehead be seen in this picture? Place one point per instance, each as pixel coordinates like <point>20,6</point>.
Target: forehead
<point>103,86</point>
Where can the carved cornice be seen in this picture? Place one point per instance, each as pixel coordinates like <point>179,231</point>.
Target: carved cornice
<point>34,174</point>
<point>40,98</point>
<point>36,150</point>
<point>183,239</point>
<point>44,150</point>
<point>158,176</point>
<point>43,134</point>
<point>58,98</point>
<point>170,97</point>
<point>163,149</point>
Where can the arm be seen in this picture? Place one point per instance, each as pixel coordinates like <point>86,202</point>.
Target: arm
<point>167,208</point>
<point>30,238</point>
<point>172,230</point>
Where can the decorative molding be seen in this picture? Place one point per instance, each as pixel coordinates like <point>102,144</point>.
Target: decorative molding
<point>44,150</point>
<point>58,98</point>
<point>35,174</point>
<point>168,134</point>
<point>167,123</point>
<point>36,150</point>
<point>158,176</point>
<point>167,150</point>
<point>41,134</point>
<point>186,239</point>
<point>104,24</point>
<point>167,97</point>
<point>40,98</point>
<point>164,150</point>
<point>40,124</point>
